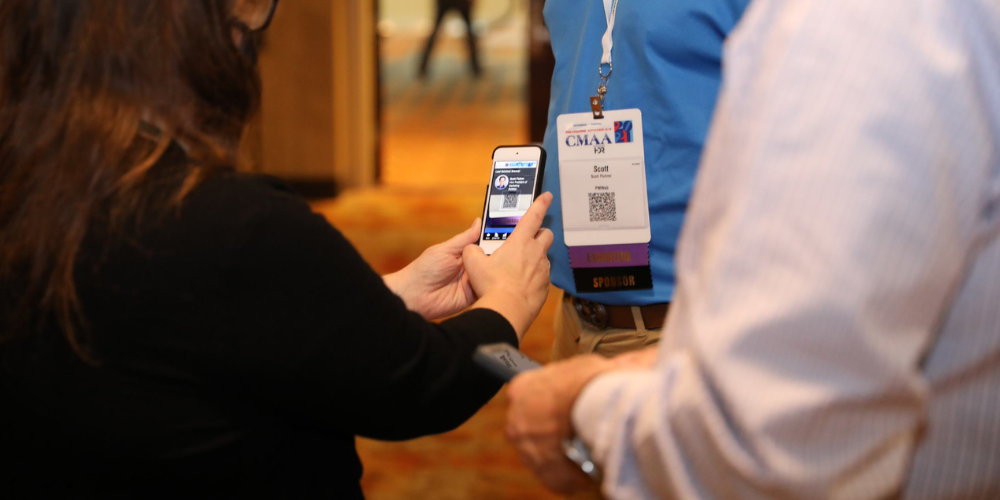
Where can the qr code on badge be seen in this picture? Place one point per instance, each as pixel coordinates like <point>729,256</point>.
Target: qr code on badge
<point>602,207</point>
<point>509,201</point>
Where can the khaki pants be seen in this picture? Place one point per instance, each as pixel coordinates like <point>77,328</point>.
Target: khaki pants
<point>575,336</point>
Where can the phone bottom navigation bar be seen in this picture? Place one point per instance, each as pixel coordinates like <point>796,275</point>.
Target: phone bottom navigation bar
<point>492,234</point>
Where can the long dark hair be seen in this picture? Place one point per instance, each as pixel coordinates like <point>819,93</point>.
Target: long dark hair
<point>80,81</point>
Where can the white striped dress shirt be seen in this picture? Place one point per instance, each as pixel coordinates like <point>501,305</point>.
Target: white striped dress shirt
<point>836,328</point>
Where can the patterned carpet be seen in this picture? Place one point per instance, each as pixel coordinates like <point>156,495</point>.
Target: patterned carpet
<point>437,139</point>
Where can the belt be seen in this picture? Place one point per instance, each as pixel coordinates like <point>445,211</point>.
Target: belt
<point>605,316</point>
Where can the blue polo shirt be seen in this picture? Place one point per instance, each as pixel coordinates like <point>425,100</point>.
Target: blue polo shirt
<point>667,62</point>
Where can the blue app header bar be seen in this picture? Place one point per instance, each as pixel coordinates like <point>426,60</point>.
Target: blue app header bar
<point>516,164</point>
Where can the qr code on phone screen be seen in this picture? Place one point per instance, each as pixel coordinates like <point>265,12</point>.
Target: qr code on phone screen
<point>509,201</point>
<point>602,207</point>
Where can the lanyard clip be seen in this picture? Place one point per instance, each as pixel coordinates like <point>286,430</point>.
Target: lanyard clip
<point>597,102</point>
<point>596,107</point>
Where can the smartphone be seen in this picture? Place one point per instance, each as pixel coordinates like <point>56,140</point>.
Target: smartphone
<point>505,362</point>
<point>515,182</point>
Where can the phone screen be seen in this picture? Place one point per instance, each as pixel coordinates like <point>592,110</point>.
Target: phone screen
<point>512,191</point>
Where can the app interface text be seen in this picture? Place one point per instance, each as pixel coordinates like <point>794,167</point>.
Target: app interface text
<point>512,190</point>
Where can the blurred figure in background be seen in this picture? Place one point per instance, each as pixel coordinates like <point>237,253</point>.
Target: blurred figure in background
<point>464,8</point>
<point>170,327</point>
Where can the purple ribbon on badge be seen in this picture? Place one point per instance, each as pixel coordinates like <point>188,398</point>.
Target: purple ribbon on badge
<point>611,268</point>
<point>628,255</point>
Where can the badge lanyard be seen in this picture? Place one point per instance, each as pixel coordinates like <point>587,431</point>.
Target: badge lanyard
<point>607,42</point>
<point>602,181</point>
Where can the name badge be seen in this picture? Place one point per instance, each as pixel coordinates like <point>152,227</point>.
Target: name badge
<point>602,178</point>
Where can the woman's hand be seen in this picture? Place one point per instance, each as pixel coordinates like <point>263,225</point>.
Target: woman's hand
<point>435,285</point>
<point>514,281</point>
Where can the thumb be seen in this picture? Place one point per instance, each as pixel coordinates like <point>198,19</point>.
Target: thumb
<point>473,259</point>
<point>467,237</point>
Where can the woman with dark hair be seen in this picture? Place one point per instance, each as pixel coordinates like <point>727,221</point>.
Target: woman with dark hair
<point>171,327</point>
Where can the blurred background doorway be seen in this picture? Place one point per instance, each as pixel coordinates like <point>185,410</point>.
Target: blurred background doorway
<point>346,104</point>
<point>449,119</point>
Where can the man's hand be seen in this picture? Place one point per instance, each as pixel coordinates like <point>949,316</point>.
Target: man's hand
<point>435,285</point>
<point>538,419</point>
<point>638,360</point>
